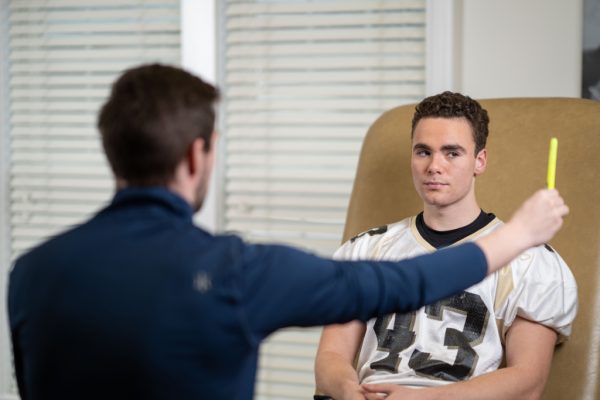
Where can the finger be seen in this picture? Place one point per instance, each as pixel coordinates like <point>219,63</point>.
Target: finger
<point>379,387</point>
<point>561,210</point>
<point>375,396</point>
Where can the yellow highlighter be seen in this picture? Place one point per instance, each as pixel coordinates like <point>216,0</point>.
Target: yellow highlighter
<point>552,162</point>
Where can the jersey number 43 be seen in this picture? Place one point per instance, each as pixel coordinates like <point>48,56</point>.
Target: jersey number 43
<point>402,335</point>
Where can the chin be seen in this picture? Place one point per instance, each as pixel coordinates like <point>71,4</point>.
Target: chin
<point>436,201</point>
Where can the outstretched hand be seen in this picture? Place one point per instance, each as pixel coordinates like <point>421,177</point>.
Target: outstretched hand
<point>541,216</point>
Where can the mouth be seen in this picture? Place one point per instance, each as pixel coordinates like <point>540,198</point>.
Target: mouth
<point>433,185</point>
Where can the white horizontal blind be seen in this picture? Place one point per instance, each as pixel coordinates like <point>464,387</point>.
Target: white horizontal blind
<point>63,56</point>
<point>303,81</point>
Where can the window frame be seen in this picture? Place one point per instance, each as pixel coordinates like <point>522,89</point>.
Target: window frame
<point>198,55</point>
<point>443,46</point>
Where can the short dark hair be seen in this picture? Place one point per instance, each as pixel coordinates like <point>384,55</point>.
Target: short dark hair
<point>455,105</point>
<point>152,116</point>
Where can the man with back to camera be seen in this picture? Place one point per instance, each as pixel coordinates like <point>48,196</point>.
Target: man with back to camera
<point>452,349</point>
<point>139,303</point>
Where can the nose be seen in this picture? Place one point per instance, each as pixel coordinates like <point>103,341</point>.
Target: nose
<point>435,165</point>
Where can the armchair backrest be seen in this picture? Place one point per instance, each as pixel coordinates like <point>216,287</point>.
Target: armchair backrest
<point>520,131</point>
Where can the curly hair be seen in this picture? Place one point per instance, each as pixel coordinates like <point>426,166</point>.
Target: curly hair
<point>455,105</point>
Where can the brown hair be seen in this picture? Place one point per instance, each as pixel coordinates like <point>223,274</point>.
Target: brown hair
<point>152,116</point>
<point>455,105</point>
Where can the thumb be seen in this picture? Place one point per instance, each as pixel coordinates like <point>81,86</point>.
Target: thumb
<point>379,387</point>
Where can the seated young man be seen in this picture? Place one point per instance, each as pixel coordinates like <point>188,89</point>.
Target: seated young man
<point>452,349</point>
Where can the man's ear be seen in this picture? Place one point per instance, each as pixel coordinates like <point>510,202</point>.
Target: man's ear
<point>480,162</point>
<point>198,157</point>
<point>195,155</point>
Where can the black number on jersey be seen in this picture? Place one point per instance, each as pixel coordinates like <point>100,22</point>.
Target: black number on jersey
<point>393,340</point>
<point>402,335</point>
<point>371,232</point>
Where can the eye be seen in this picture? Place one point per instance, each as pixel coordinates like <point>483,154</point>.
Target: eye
<point>453,154</point>
<point>422,153</point>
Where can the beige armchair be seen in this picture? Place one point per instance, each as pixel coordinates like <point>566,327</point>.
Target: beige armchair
<point>520,130</point>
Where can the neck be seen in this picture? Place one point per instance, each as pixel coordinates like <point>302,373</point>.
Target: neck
<point>185,191</point>
<point>177,185</point>
<point>450,217</point>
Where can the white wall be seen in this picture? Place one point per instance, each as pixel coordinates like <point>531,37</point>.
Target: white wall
<point>514,48</point>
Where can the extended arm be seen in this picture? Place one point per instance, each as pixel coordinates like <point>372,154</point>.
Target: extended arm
<point>317,291</point>
<point>529,351</point>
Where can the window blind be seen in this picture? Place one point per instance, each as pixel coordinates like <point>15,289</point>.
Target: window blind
<point>302,82</point>
<point>63,56</point>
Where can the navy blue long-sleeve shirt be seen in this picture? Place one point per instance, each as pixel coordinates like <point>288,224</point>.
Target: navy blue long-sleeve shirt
<point>139,303</point>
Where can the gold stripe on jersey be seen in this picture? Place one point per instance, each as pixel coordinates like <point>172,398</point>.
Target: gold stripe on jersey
<point>415,232</point>
<point>504,286</point>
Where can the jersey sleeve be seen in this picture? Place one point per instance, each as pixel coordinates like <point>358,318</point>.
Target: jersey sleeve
<point>543,290</point>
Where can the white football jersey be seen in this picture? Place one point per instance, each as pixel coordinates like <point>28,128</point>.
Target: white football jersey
<point>462,336</point>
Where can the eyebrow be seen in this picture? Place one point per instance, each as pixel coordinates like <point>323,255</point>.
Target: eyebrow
<point>447,147</point>
<point>453,147</point>
<point>421,146</point>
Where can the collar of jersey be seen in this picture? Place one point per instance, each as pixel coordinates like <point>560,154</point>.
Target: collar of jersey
<point>473,236</point>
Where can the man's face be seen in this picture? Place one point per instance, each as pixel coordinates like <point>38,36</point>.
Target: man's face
<point>443,161</point>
